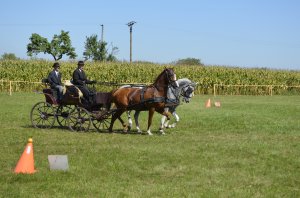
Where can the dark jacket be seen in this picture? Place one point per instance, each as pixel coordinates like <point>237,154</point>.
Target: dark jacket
<point>79,78</point>
<point>53,79</point>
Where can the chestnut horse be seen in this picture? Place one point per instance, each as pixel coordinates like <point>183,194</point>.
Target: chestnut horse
<point>150,98</point>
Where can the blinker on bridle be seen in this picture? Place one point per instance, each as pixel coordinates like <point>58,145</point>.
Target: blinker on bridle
<point>187,92</point>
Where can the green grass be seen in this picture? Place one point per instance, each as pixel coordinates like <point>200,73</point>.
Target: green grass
<point>247,148</point>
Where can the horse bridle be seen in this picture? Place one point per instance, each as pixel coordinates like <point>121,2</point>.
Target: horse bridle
<point>169,76</point>
<point>169,79</point>
<point>186,93</point>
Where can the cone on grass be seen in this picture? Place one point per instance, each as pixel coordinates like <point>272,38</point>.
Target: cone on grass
<point>208,103</point>
<point>26,161</point>
<point>217,104</point>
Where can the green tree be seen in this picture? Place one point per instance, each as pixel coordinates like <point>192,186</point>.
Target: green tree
<point>9,56</point>
<point>59,46</point>
<point>97,50</point>
<point>189,61</point>
<point>111,56</point>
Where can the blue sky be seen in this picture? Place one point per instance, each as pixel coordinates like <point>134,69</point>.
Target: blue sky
<point>244,33</point>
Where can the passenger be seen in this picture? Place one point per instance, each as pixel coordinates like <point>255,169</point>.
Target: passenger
<point>54,79</point>
<point>80,80</point>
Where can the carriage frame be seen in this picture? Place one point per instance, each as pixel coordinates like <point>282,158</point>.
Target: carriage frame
<point>71,112</point>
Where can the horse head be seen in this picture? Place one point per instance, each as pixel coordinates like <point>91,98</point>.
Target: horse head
<point>165,78</point>
<point>188,91</point>
<point>171,76</point>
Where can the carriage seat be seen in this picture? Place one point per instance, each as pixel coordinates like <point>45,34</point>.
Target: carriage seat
<point>69,85</point>
<point>71,93</point>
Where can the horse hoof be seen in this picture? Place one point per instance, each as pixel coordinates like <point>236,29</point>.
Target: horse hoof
<point>149,133</point>
<point>162,132</point>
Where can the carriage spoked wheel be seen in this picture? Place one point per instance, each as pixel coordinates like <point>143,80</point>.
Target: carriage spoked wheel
<point>42,115</point>
<point>62,114</point>
<point>79,119</point>
<point>101,120</point>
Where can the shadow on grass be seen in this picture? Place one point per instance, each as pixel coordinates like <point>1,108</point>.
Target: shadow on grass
<point>91,130</point>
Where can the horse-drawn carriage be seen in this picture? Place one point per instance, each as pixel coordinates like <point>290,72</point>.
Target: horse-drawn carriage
<point>72,111</point>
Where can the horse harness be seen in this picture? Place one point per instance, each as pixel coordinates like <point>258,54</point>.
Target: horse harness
<point>154,99</point>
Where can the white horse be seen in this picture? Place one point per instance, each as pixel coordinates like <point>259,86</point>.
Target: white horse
<point>185,89</point>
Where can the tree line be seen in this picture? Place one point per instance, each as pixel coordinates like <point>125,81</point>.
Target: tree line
<point>94,49</point>
<point>61,45</point>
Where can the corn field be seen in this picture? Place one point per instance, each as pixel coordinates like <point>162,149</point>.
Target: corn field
<point>286,82</point>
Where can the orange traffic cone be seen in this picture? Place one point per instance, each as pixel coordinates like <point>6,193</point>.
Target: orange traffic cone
<point>208,103</point>
<point>26,162</point>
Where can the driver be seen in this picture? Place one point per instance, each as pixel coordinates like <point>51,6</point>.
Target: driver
<point>80,80</point>
<point>54,79</point>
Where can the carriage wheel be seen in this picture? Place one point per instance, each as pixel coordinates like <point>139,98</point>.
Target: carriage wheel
<point>101,121</point>
<point>79,119</point>
<point>62,114</point>
<point>42,115</point>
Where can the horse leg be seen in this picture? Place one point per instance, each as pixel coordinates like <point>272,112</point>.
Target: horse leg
<point>115,116</point>
<point>176,119</point>
<point>136,119</point>
<point>125,127</point>
<point>161,128</point>
<point>150,116</point>
<point>166,115</point>
<point>129,120</point>
<point>166,123</point>
<point>163,122</point>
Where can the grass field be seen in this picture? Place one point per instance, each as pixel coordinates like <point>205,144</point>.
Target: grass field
<point>250,147</point>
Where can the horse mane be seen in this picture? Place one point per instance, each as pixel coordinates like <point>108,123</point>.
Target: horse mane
<point>183,80</point>
<point>158,77</point>
<point>186,80</point>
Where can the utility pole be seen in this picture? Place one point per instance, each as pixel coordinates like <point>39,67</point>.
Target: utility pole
<point>130,24</point>
<point>102,33</point>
